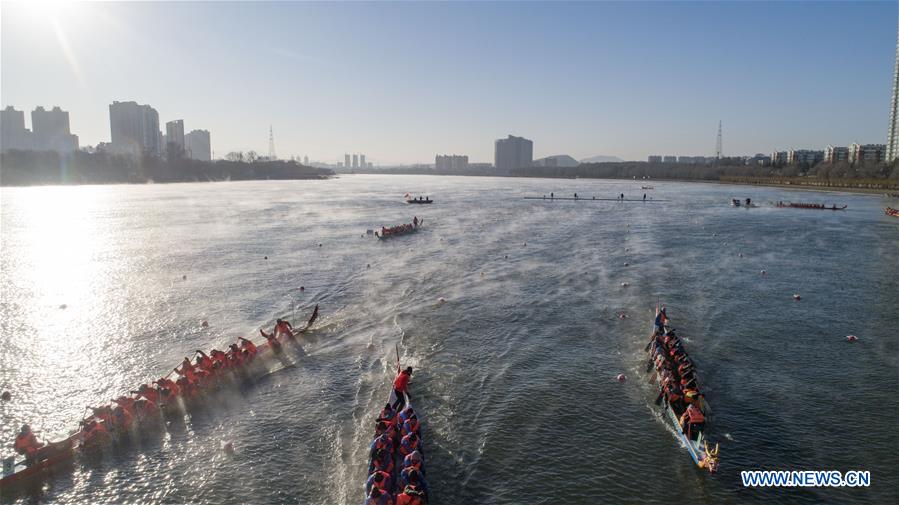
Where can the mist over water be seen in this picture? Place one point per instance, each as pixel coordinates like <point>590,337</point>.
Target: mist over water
<point>514,373</point>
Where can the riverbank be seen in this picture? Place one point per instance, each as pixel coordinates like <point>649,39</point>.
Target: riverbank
<point>25,168</point>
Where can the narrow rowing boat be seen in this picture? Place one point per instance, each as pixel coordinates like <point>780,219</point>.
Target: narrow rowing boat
<point>58,454</point>
<point>683,404</point>
<point>801,205</point>
<point>399,230</point>
<point>891,212</point>
<point>396,464</point>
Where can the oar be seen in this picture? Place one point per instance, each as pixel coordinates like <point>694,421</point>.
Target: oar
<point>659,398</point>
<point>311,320</point>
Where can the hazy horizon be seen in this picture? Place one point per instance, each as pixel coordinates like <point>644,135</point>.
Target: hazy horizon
<point>401,82</point>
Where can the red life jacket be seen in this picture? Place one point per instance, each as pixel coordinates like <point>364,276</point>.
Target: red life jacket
<point>26,443</point>
<point>407,446</point>
<point>411,426</point>
<point>401,381</point>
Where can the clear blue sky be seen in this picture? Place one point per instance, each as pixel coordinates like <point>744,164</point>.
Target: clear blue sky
<point>401,82</point>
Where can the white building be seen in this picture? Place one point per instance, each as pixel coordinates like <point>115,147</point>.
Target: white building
<point>134,129</point>
<point>513,152</point>
<point>198,146</point>
<point>454,162</point>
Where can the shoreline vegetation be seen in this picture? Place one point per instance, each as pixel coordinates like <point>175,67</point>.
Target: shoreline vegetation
<point>30,168</point>
<point>873,177</point>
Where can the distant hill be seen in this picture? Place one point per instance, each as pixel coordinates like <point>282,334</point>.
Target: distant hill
<point>602,159</point>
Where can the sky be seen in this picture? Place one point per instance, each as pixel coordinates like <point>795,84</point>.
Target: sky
<point>401,82</point>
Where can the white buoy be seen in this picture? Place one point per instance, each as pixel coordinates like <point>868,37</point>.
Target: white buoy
<point>441,300</point>
<point>624,284</point>
<point>797,297</point>
<point>626,263</point>
<point>621,377</point>
<point>851,338</point>
<point>763,272</point>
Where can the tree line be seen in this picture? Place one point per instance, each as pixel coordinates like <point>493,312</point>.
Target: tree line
<point>715,172</point>
<point>30,168</point>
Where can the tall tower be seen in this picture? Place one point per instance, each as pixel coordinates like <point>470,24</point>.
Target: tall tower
<point>718,146</point>
<point>271,144</point>
<point>893,132</point>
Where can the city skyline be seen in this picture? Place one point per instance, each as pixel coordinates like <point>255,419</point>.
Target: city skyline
<point>658,82</point>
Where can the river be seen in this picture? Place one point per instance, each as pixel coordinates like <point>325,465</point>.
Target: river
<point>514,371</point>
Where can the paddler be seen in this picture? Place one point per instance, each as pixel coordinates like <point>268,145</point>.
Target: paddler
<point>410,444</point>
<point>380,480</point>
<point>283,328</point>
<point>412,477</point>
<point>187,370</point>
<point>204,362</point>
<point>400,384</point>
<point>411,496</point>
<point>150,393</point>
<point>410,426</point>
<point>378,497</point>
<point>692,420</point>
<point>388,415</point>
<point>248,345</point>
<point>415,221</point>
<point>27,445</point>
<point>413,459</point>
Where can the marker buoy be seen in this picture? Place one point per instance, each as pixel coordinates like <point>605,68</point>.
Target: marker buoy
<point>624,284</point>
<point>205,324</point>
<point>626,263</point>
<point>6,396</point>
<point>265,258</point>
<point>740,255</point>
<point>621,377</point>
<point>850,338</point>
<point>63,306</point>
<point>763,272</point>
<point>797,297</point>
<point>525,244</point>
<point>622,316</point>
<point>228,448</point>
<point>368,265</point>
<point>482,274</point>
<point>302,289</point>
<point>319,245</point>
<point>183,277</point>
<point>506,257</point>
<point>441,300</point>
<point>626,249</point>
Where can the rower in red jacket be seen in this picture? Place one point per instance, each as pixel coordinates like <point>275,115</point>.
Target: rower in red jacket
<point>400,385</point>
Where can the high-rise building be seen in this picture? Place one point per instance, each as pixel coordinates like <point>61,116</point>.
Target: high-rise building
<point>174,134</point>
<point>892,151</point>
<point>306,160</point>
<point>134,129</point>
<point>362,161</point>
<point>513,152</point>
<point>654,159</point>
<point>13,135</point>
<point>355,161</point>
<point>197,145</point>
<point>50,131</point>
<point>346,160</point>
<point>454,162</point>
<point>669,159</point>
